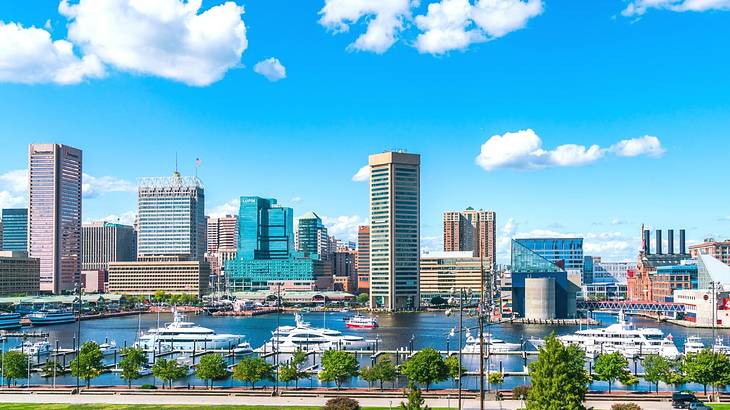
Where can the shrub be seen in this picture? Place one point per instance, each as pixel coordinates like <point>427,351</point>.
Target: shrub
<point>341,403</point>
<point>625,406</point>
<point>148,386</point>
<point>520,392</point>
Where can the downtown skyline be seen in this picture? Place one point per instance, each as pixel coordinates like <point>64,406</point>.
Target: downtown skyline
<point>571,74</point>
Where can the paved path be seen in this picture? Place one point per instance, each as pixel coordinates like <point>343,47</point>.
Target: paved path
<point>183,399</point>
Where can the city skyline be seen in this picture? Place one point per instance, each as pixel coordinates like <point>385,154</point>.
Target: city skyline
<point>492,123</point>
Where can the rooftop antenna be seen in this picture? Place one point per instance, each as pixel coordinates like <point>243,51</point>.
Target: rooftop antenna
<point>177,173</point>
<point>198,163</point>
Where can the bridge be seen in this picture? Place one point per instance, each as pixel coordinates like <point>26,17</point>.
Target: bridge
<point>665,308</point>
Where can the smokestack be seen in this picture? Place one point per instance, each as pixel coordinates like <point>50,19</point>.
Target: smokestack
<point>647,242</point>
<point>670,240</point>
<point>658,241</point>
<point>681,241</point>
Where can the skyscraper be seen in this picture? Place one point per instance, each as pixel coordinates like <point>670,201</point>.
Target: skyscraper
<point>311,237</point>
<point>171,212</point>
<point>222,244</point>
<point>104,242</point>
<point>15,229</point>
<point>394,230</point>
<point>266,230</point>
<point>362,261</point>
<point>54,214</point>
<point>471,230</point>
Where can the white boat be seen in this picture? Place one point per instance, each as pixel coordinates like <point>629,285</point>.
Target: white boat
<point>182,335</point>
<point>491,344</point>
<point>693,344</point>
<point>361,322</point>
<point>289,339</point>
<point>242,349</point>
<point>720,346</point>
<point>622,337</point>
<point>108,348</point>
<point>40,348</point>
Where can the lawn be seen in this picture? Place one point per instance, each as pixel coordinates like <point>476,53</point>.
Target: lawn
<point>29,406</point>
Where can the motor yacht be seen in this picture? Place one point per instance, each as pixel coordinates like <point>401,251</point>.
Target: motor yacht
<point>693,344</point>
<point>491,344</point>
<point>302,336</point>
<point>361,322</point>
<point>242,349</point>
<point>40,348</point>
<point>720,346</point>
<point>108,348</point>
<point>182,335</point>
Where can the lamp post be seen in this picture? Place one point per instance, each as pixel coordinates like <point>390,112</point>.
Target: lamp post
<point>78,338</point>
<point>278,324</point>
<point>462,294</point>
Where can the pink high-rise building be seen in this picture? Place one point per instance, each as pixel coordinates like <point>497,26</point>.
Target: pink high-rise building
<point>54,214</point>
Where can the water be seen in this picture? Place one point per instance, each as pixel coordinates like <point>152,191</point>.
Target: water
<point>428,329</point>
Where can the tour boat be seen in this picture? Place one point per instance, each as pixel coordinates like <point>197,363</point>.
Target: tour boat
<point>491,344</point>
<point>361,322</point>
<point>40,348</point>
<point>182,335</point>
<point>693,344</point>
<point>720,346</point>
<point>303,336</point>
<point>9,320</point>
<point>621,337</point>
<point>51,317</point>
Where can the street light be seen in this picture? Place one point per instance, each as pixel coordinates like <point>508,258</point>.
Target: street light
<point>78,337</point>
<point>462,294</point>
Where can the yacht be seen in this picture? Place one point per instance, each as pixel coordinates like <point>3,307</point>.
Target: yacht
<point>622,337</point>
<point>693,344</point>
<point>9,320</point>
<point>51,317</point>
<point>242,349</point>
<point>491,344</point>
<point>108,348</point>
<point>41,348</point>
<point>182,335</point>
<point>720,346</point>
<point>289,339</point>
<point>361,322</point>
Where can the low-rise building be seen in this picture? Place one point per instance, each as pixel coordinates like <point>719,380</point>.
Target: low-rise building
<point>442,272</point>
<point>93,281</point>
<point>144,277</point>
<point>19,274</point>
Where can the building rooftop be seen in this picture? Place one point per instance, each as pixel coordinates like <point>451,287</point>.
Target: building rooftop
<point>310,215</point>
<point>445,254</point>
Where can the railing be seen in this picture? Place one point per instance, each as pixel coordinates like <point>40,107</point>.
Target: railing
<point>642,306</point>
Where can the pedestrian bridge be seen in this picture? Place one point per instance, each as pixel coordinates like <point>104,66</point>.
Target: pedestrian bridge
<point>667,308</point>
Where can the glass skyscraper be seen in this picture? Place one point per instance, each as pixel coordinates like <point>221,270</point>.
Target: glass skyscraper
<point>311,237</point>
<point>15,229</point>
<point>567,252</point>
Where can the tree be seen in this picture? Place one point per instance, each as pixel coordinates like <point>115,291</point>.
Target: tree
<point>456,370</point>
<point>15,366</point>
<point>707,367</point>
<point>297,361</point>
<point>437,301</point>
<point>254,369</point>
<point>369,374</point>
<point>363,298</point>
<point>559,381</point>
<point>656,369</point>
<point>132,361</point>
<point>425,367</point>
<point>88,364</point>
<point>211,367</point>
<point>495,378</point>
<point>49,367</point>
<point>385,371</point>
<point>160,295</point>
<point>168,370</point>
<point>338,366</point>
<point>611,367</point>
<point>415,401</point>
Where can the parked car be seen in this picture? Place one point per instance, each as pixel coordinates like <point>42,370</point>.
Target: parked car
<point>698,405</point>
<point>683,400</point>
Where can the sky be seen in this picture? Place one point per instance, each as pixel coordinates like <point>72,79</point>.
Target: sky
<point>567,118</point>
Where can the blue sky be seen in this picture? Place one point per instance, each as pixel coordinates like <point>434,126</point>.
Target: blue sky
<point>585,73</point>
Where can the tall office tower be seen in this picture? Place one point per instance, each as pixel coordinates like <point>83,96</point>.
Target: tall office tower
<point>171,212</point>
<point>362,261</point>
<point>311,237</point>
<point>266,230</point>
<point>471,230</point>
<point>54,214</point>
<point>104,242</point>
<point>15,230</point>
<point>222,245</point>
<point>394,230</point>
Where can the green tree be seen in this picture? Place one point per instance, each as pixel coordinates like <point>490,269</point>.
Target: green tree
<point>425,367</point>
<point>495,378</point>
<point>386,371</point>
<point>656,369</point>
<point>48,368</point>
<point>559,381</point>
<point>456,370</point>
<point>168,370</point>
<point>363,298</point>
<point>338,366</point>
<point>707,368</point>
<point>415,401</point>
<point>15,366</point>
<point>211,367</point>
<point>611,367</point>
<point>254,369</point>
<point>160,296</point>
<point>88,364</point>
<point>132,361</point>
<point>369,374</point>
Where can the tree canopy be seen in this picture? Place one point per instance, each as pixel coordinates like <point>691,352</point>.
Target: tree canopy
<point>338,366</point>
<point>211,367</point>
<point>89,362</point>
<point>132,361</point>
<point>169,370</point>
<point>707,368</point>
<point>559,381</point>
<point>611,367</point>
<point>15,366</point>
<point>253,370</point>
<point>425,367</point>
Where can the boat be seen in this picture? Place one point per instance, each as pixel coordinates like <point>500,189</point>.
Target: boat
<point>622,337</point>
<point>242,349</point>
<point>491,344</point>
<point>361,322</point>
<point>51,317</point>
<point>720,346</point>
<point>693,344</point>
<point>9,320</point>
<point>40,348</point>
<point>108,348</point>
<point>302,336</point>
<point>182,335</point>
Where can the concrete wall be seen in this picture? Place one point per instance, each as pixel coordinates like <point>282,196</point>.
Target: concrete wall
<point>540,298</point>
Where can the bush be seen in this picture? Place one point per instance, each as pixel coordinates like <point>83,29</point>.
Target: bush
<point>341,403</point>
<point>520,392</point>
<point>148,386</point>
<point>625,406</point>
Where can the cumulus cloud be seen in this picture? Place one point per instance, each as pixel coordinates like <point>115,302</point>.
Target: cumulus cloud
<point>229,208</point>
<point>344,227</point>
<point>432,244</point>
<point>456,24</point>
<point>29,55</point>
<point>13,188</point>
<point>362,174</point>
<point>92,186</point>
<point>523,150</point>
<point>125,218</point>
<point>639,7</point>
<point>386,19</point>
<point>164,38</point>
<point>611,246</point>
<point>271,68</point>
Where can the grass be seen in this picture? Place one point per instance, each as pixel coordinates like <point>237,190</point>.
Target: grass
<point>29,406</point>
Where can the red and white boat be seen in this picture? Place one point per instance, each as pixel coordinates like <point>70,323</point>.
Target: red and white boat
<point>361,322</point>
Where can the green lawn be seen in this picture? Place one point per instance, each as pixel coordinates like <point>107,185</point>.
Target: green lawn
<point>29,406</point>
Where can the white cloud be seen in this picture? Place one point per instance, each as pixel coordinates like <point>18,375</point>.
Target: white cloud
<point>639,7</point>
<point>125,218</point>
<point>16,180</point>
<point>344,227</point>
<point>296,200</point>
<point>29,56</point>
<point>229,208</point>
<point>270,68</point>
<point>10,200</point>
<point>362,174</point>
<point>523,150</point>
<point>616,221</point>
<point>94,186</point>
<point>432,243</point>
<point>456,24</point>
<point>386,19</point>
<point>165,38</point>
